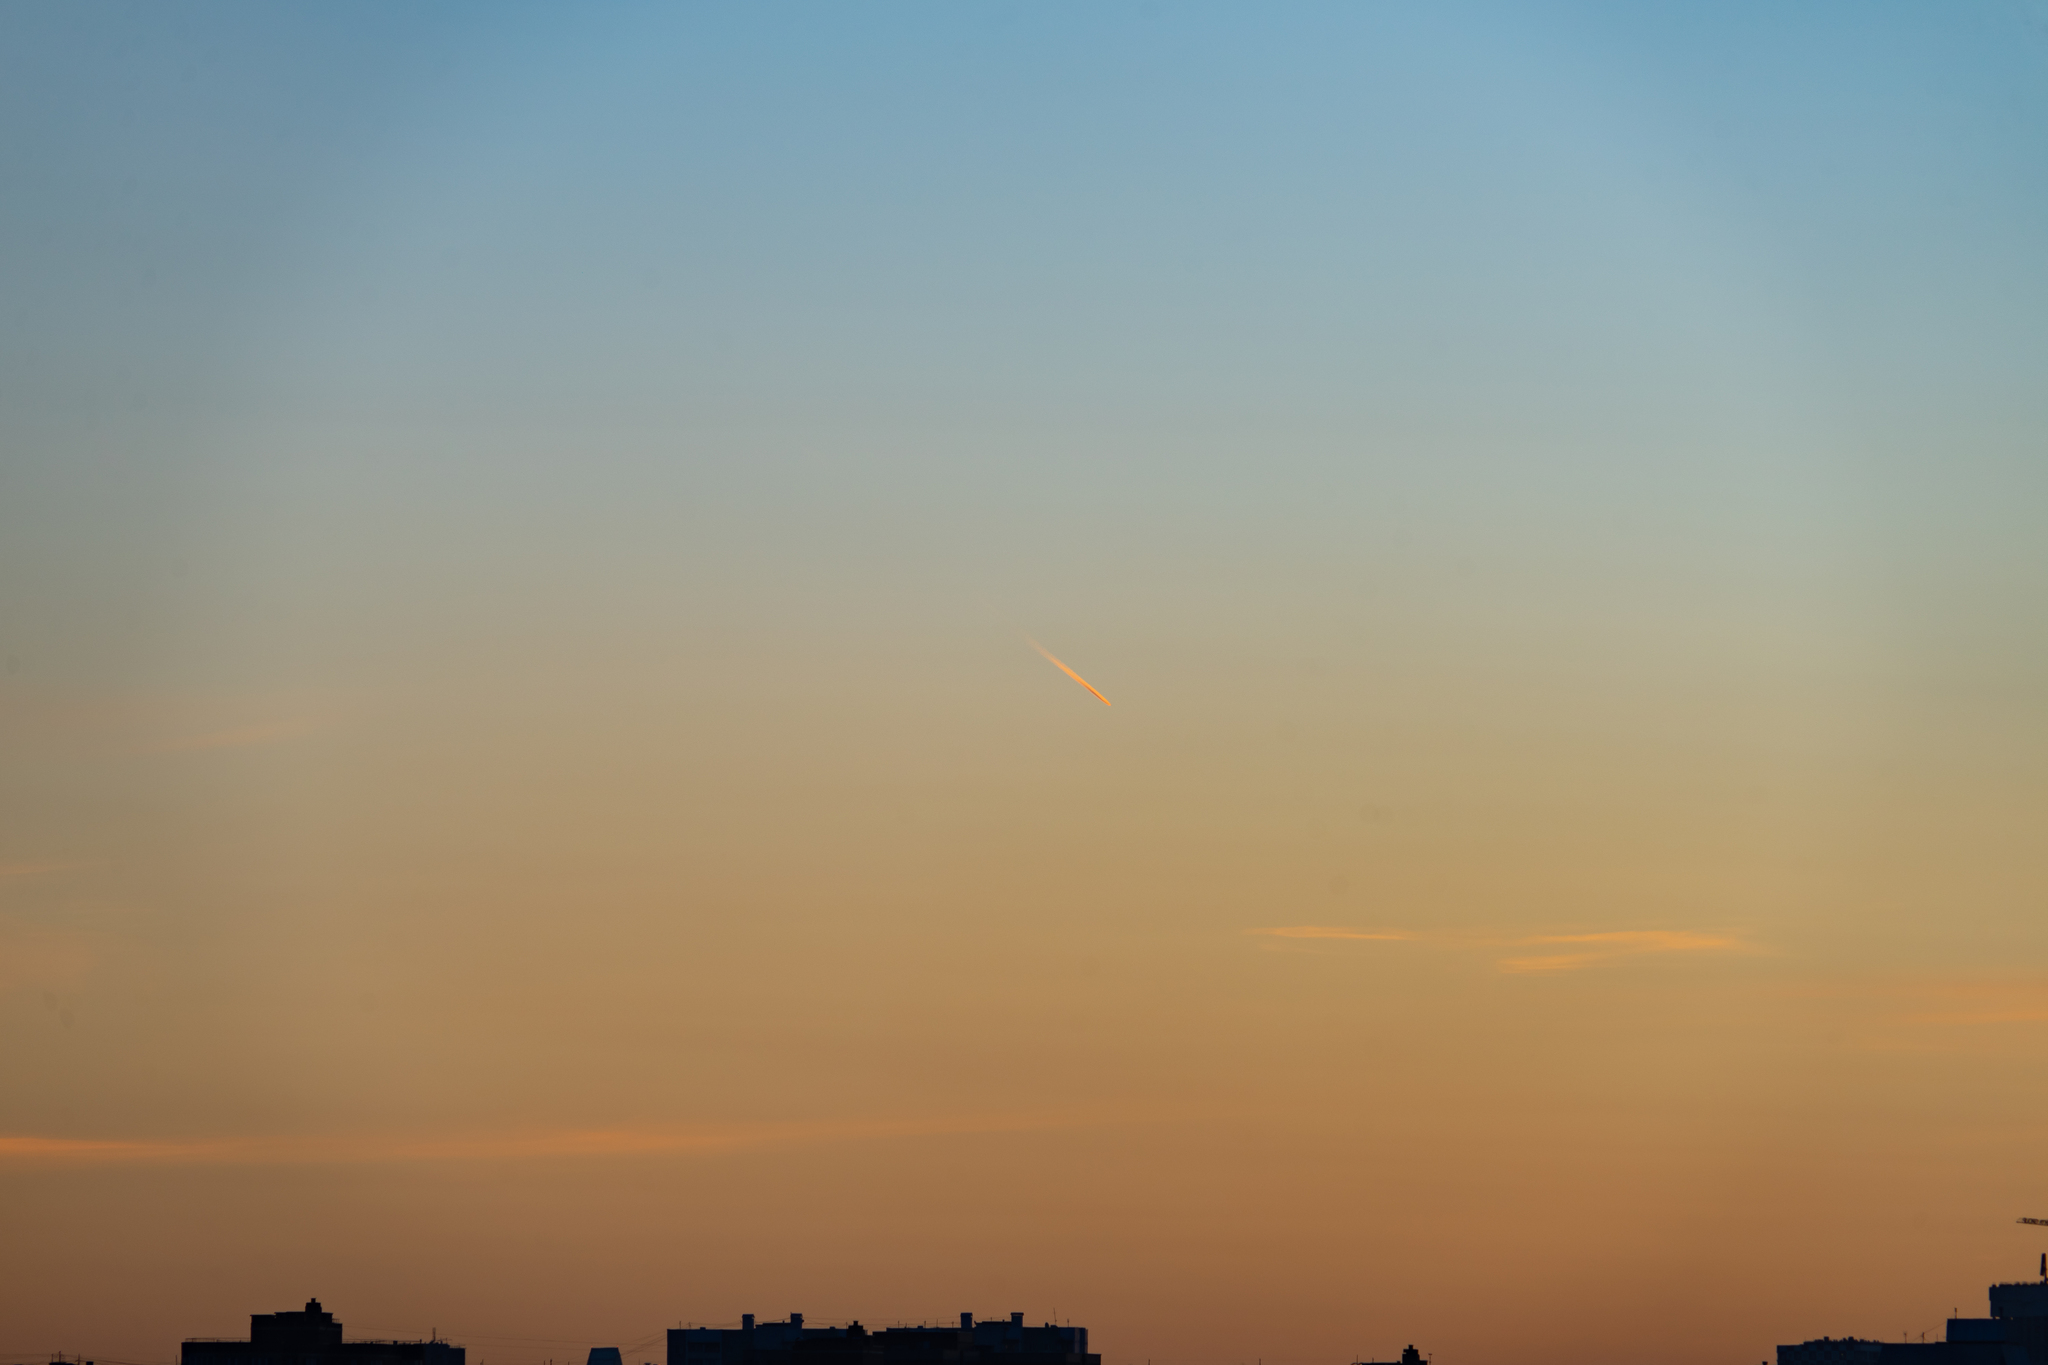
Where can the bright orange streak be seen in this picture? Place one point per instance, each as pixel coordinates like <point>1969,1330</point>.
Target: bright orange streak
<point>1068,671</point>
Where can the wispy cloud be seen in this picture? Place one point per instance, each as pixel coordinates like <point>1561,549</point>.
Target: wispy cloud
<point>1064,669</point>
<point>236,737</point>
<point>1984,1002</point>
<point>1932,1015</point>
<point>1555,952</point>
<point>32,869</point>
<point>1588,950</point>
<point>354,1149</point>
<point>1948,1002</point>
<point>1338,931</point>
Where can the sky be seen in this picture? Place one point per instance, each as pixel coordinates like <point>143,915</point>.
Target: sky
<point>530,809</point>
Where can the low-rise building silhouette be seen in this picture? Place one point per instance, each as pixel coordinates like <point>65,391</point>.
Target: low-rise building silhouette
<point>311,1336</point>
<point>1409,1356</point>
<point>987,1342</point>
<point>2016,1333</point>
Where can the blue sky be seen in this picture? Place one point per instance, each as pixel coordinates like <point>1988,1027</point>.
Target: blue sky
<point>505,508</point>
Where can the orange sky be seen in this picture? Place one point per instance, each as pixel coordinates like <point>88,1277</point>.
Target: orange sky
<point>529,808</point>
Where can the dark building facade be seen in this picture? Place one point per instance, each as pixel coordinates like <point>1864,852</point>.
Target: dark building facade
<point>988,1342</point>
<point>311,1336</point>
<point>2016,1333</point>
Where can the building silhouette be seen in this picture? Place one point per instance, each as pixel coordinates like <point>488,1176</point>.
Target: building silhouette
<point>311,1336</point>
<point>988,1342</point>
<point>2016,1333</point>
<point>1409,1356</point>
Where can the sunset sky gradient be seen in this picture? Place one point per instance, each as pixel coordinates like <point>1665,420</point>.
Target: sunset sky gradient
<point>528,806</point>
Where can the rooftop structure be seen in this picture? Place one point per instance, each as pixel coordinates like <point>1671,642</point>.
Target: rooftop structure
<point>311,1336</point>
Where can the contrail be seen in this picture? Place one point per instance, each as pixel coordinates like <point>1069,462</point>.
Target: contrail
<point>1068,671</point>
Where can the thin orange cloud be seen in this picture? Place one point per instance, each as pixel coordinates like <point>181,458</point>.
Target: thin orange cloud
<point>1956,1001</point>
<point>1594,949</point>
<point>32,869</point>
<point>1583,950</point>
<point>1337,931</point>
<point>352,1149</point>
<point>1932,1015</point>
<point>1064,669</point>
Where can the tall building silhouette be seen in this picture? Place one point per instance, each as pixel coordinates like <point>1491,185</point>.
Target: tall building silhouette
<point>311,1336</point>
